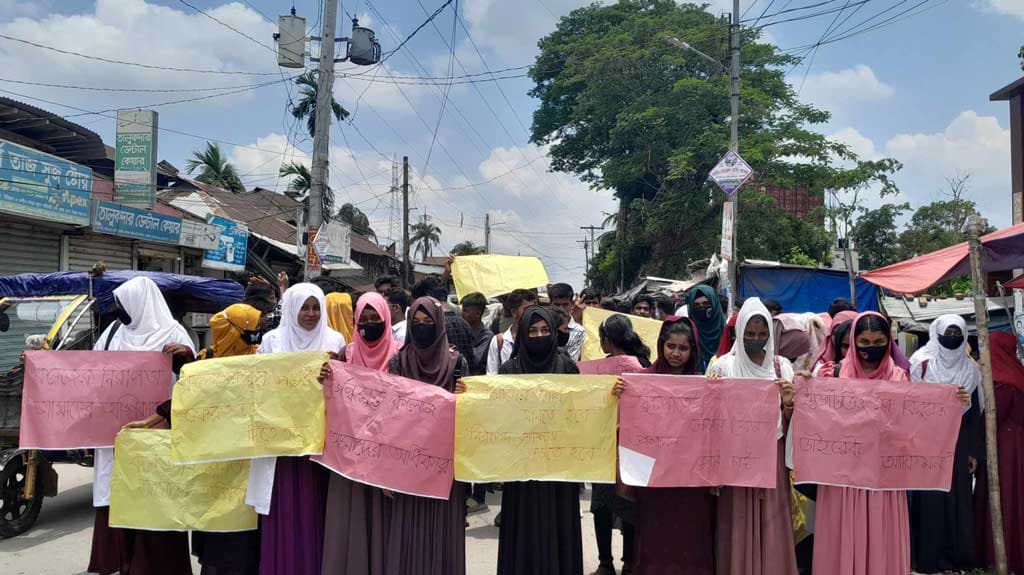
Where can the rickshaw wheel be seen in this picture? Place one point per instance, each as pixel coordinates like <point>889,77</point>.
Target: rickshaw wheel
<point>17,514</point>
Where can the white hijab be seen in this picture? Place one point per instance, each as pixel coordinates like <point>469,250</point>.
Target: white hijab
<point>947,365</point>
<point>290,336</point>
<point>737,363</point>
<point>152,326</point>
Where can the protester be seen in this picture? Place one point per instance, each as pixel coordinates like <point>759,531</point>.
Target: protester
<point>398,303</point>
<point>705,309</point>
<point>541,531</point>
<point>428,536</point>
<point>644,305</point>
<point>942,523</point>
<point>503,344</point>
<point>561,298</point>
<point>261,295</point>
<point>143,323</point>
<point>355,527</point>
<point>339,313</point>
<point>754,528</point>
<point>291,492</point>
<point>235,331</point>
<point>1008,379</point>
<point>666,308</point>
<point>384,284</point>
<point>773,307</point>
<point>473,307</point>
<point>840,305</point>
<point>460,336</point>
<point>590,297</point>
<point>835,346</point>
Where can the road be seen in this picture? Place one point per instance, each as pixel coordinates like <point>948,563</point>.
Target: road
<point>59,543</point>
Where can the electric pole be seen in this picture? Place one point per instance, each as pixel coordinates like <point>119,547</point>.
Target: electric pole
<point>487,233</point>
<point>586,244</point>
<point>405,221</point>
<point>322,123</point>
<point>734,142</point>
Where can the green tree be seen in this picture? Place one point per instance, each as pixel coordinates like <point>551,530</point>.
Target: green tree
<point>425,236</point>
<point>302,182</point>
<point>214,169</point>
<point>627,112</point>
<point>941,223</point>
<point>875,235</point>
<point>305,107</point>
<point>359,221</point>
<point>467,248</point>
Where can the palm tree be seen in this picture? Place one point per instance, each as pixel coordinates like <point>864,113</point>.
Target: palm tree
<point>467,248</point>
<point>425,236</point>
<point>302,182</point>
<point>306,106</point>
<point>215,169</point>
<point>355,217</point>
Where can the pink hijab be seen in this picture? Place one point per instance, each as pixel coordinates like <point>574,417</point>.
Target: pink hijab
<point>887,370</point>
<point>373,355</point>
<point>827,351</point>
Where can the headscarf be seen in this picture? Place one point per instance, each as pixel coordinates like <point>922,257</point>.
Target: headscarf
<point>152,326</point>
<point>434,364</point>
<point>710,329</point>
<point>728,336</point>
<point>827,352</point>
<point>792,335</point>
<point>290,336</point>
<point>227,327</point>
<point>661,364</point>
<point>552,361</point>
<point>339,314</point>
<point>737,363</point>
<point>374,355</point>
<point>1006,368</point>
<point>948,365</point>
<point>887,369</point>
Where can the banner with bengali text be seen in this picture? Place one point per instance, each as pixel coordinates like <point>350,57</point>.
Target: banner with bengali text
<point>248,406</point>
<point>691,431</point>
<point>880,435</point>
<point>536,427</point>
<point>149,491</point>
<point>389,431</point>
<point>81,399</point>
<point>648,330</point>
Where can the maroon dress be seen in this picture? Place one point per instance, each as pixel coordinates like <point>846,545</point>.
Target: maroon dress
<point>1010,442</point>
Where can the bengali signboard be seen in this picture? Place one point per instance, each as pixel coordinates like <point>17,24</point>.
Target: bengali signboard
<point>333,244</point>
<point>129,222</point>
<point>727,230</point>
<point>135,158</point>
<point>199,235</point>
<point>730,173</point>
<point>42,186</point>
<point>232,246</point>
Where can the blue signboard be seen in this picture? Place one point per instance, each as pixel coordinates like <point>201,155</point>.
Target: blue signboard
<point>42,186</point>
<point>129,222</point>
<point>234,241</point>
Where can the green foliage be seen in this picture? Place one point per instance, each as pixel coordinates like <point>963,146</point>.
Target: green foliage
<point>359,221</point>
<point>305,107</point>
<point>876,237</point>
<point>214,169</point>
<point>767,232</point>
<point>467,248</point>
<point>935,226</point>
<point>302,182</point>
<point>797,257</point>
<point>424,236</point>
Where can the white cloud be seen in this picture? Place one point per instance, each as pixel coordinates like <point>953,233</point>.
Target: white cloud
<point>10,9</point>
<point>1008,7</point>
<point>859,84</point>
<point>858,143</point>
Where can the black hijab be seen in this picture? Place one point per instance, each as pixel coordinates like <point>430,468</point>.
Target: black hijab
<point>552,360</point>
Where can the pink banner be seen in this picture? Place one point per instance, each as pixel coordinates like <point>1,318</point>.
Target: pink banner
<point>389,431</point>
<point>615,365</point>
<point>875,434</point>
<point>81,399</point>
<point>690,431</point>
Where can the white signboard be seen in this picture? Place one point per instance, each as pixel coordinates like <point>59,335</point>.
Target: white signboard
<point>334,243</point>
<point>135,158</point>
<point>199,235</point>
<point>730,173</point>
<point>727,229</point>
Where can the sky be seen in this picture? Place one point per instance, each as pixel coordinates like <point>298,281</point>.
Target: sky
<point>915,90</point>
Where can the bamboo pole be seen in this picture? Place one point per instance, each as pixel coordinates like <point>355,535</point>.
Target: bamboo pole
<point>974,226</point>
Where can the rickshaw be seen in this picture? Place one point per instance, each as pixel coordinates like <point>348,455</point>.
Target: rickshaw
<point>65,311</point>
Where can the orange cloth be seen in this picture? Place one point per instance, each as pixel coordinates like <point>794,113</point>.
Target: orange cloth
<point>339,314</point>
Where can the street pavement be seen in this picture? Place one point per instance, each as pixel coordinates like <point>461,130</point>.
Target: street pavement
<point>59,542</point>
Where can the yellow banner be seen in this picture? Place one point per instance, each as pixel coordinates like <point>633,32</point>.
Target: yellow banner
<point>494,275</point>
<point>647,329</point>
<point>148,491</point>
<point>543,427</point>
<point>248,406</point>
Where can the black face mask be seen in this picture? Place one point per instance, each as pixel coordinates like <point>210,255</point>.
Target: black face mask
<point>423,334</point>
<point>563,338</point>
<point>754,346</point>
<point>873,354</point>
<point>951,341</point>
<point>538,346</point>
<point>121,315</point>
<point>371,331</point>
<point>252,337</point>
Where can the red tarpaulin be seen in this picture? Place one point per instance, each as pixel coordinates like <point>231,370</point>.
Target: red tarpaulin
<point>1003,250</point>
<point>1015,283</point>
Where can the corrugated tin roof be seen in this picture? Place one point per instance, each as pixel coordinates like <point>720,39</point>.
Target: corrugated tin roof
<point>55,135</point>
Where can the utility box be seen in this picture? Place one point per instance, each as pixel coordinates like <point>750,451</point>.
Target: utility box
<point>291,42</point>
<point>363,48</point>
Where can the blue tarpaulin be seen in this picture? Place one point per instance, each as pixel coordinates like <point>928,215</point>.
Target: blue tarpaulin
<point>800,289</point>
<point>183,293</point>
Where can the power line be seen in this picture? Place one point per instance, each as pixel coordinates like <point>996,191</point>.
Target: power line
<point>229,27</point>
<point>402,44</point>
<point>134,90</point>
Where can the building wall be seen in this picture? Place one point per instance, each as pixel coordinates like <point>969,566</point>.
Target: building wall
<point>797,202</point>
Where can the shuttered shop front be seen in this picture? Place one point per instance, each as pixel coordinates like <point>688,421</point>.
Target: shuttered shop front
<point>28,247</point>
<point>86,250</point>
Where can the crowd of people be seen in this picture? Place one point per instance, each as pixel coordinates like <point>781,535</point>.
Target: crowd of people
<point>313,521</point>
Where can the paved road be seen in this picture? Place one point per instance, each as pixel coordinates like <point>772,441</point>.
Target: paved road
<point>59,543</point>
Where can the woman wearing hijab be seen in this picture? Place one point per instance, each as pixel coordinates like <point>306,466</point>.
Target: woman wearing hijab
<point>540,527</point>
<point>144,323</point>
<point>942,523</point>
<point>837,342</point>
<point>291,492</point>
<point>339,314</point>
<point>705,309</point>
<point>1008,378</point>
<point>427,536</point>
<point>755,532</point>
<point>235,331</point>
<point>354,531</point>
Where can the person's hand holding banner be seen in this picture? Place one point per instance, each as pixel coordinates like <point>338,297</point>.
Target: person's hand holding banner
<point>494,275</point>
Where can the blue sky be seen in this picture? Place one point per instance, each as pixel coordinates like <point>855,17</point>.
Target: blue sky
<point>916,90</point>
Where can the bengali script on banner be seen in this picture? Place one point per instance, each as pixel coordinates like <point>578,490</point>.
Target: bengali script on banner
<point>389,431</point>
<point>615,365</point>
<point>149,491</point>
<point>691,431</point>
<point>494,275</point>
<point>248,406</point>
<point>875,434</point>
<point>647,329</point>
<point>81,399</point>
<point>536,427</point>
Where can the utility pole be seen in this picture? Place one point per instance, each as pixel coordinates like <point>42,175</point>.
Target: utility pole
<point>592,243</point>
<point>405,221</point>
<point>586,254</point>
<point>734,143</point>
<point>322,126</point>
<point>487,233</point>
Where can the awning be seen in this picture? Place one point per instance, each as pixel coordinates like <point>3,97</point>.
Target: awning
<point>1015,283</point>
<point>1004,250</point>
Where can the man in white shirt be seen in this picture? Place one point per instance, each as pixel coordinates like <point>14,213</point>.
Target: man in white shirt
<point>399,302</point>
<point>561,297</point>
<point>502,345</point>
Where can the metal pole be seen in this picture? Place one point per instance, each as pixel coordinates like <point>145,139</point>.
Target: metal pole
<point>405,221</point>
<point>974,226</point>
<point>322,126</point>
<point>487,233</point>
<point>734,141</point>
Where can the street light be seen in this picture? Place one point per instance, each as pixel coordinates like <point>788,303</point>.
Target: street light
<point>672,40</point>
